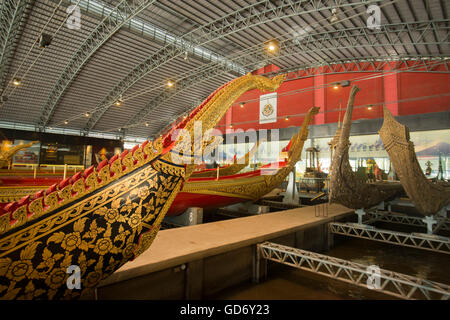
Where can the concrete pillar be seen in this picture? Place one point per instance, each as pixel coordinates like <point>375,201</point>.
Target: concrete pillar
<point>259,266</point>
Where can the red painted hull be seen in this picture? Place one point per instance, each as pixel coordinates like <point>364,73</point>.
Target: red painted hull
<point>13,181</point>
<point>185,200</point>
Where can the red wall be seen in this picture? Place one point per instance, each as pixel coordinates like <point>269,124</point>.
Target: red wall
<point>391,89</point>
<point>423,85</point>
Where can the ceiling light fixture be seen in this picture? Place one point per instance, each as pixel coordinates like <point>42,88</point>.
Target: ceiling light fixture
<point>147,124</point>
<point>170,83</point>
<point>17,81</point>
<point>272,46</point>
<point>66,121</point>
<point>87,114</point>
<point>334,17</point>
<point>119,101</point>
<point>242,104</point>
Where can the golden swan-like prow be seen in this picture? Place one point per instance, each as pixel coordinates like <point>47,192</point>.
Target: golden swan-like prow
<point>345,187</point>
<point>101,218</point>
<point>428,197</point>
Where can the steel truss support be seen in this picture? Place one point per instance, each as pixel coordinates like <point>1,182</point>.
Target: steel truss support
<point>391,283</point>
<point>337,40</point>
<point>442,223</point>
<point>12,14</point>
<point>381,64</point>
<point>413,240</point>
<point>411,33</point>
<point>118,17</point>
<point>253,15</point>
<point>138,119</point>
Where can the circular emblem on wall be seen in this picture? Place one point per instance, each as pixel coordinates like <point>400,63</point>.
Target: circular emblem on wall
<point>267,110</point>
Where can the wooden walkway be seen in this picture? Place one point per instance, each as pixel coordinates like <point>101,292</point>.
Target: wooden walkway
<point>173,247</point>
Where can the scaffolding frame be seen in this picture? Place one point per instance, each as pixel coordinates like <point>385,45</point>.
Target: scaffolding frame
<point>391,283</point>
<point>442,223</point>
<point>413,240</point>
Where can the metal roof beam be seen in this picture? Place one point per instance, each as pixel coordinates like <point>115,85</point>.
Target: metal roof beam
<point>11,15</point>
<point>113,21</point>
<point>314,42</point>
<point>239,20</point>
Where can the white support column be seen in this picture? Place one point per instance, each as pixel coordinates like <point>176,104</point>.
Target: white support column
<point>360,213</point>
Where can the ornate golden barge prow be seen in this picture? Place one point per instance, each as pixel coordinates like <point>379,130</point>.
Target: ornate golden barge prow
<point>345,187</point>
<point>259,184</point>
<point>428,197</point>
<point>99,219</point>
<point>7,155</point>
<point>231,169</point>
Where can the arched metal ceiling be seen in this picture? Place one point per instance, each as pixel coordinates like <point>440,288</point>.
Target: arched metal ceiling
<point>128,49</point>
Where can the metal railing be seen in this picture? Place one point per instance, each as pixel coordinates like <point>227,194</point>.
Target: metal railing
<point>391,283</point>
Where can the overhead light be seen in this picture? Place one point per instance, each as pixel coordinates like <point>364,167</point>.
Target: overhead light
<point>242,104</point>
<point>231,125</point>
<point>334,17</point>
<point>186,56</point>
<point>45,40</point>
<point>87,114</point>
<point>147,124</point>
<point>336,86</point>
<point>119,101</point>
<point>66,121</point>
<point>170,83</point>
<point>272,46</point>
<point>369,107</point>
<point>287,118</point>
<point>17,82</point>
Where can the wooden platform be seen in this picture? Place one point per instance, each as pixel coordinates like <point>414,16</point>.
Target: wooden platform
<point>174,247</point>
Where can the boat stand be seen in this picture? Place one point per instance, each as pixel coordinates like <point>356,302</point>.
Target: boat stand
<point>362,212</point>
<point>433,223</point>
<point>370,277</point>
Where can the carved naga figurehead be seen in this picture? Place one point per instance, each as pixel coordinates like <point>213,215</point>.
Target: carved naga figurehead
<point>209,114</point>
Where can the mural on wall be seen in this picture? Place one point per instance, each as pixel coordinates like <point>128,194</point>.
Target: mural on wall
<point>429,146</point>
<point>29,155</point>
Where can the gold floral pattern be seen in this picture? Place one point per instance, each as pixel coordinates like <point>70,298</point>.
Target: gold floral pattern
<point>100,225</point>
